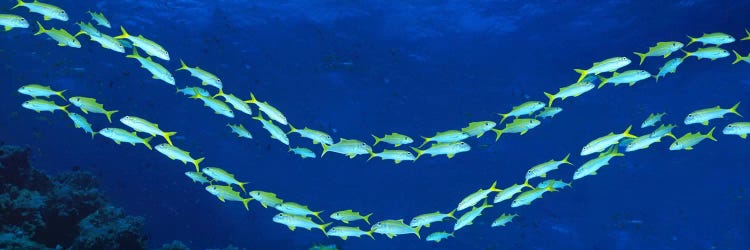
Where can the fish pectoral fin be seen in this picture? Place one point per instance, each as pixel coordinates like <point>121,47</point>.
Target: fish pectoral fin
<point>61,44</point>
<point>266,206</point>
<point>46,18</point>
<point>705,123</point>
<point>450,155</point>
<point>351,156</point>
<point>8,28</point>
<point>689,148</point>
<point>345,221</point>
<point>221,199</point>
<point>344,237</point>
<point>390,236</point>
<point>154,77</point>
<point>524,132</point>
<point>397,161</point>
<point>292,228</point>
<point>543,175</point>
<point>743,136</point>
<point>118,142</point>
<point>85,111</point>
<point>667,54</point>
<point>204,83</point>
<point>427,225</point>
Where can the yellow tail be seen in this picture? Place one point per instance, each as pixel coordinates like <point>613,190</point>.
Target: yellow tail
<point>166,136</point>
<point>583,74</point>
<point>498,132</point>
<point>124,34</point>
<point>41,29</point>
<point>551,98</point>
<point>733,109</point>
<point>641,55</point>
<point>146,142</point>
<point>739,57</point>
<point>692,40</point>
<point>377,140</point>
<point>19,4</point>
<point>197,163</point>
<point>185,67</point>
<point>109,115</point>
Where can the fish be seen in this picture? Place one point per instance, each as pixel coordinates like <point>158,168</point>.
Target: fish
<point>449,149</point>
<point>556,184</point>
<point>175,153</point>
<point>548,112</point>
<point>314,135</point>
<point>396,155</point>
<point>602,143</point>
<point>80,122</point>
<point>518,125</point>
<point>100,19</point>
<point>346,232</point>
<point>439,236</point>
<point>40,105</point>
<point>222,175</point>
<point>712,53</point>
<point>207,78</point>
<point>660,49</point>
<point>295,221</point>
<point>527,197</point>
<point>269,110</point>
<point>87,105</point>
<point>652,119</point>
<point>88,29</point>
<point>526,108</point>
<point>642,142</point>
<point>346,216</point>
<point>225,193</point>
<point>47,10</point>
<point>108,42</point>
<point>573,90</point>
<point>190,91</point>
<point>219,107</point>
<point>394,227</point>
<point>664,130</point>
<point>266,199</point>
<point>503,220</point>
<point>747,37</point>
<point>62,36</point>
<point>716,38</point>
<point>740,57</point>
<point>687,141</point>
<point>10,22</point>
<point>240,130</point>
<point>394,139</point>
<point>197,177</point>
<point>120,135</point>
<point>608,65</point>
<point>703,116</point>
<point>429,218</point>
<point>236,102</point>
<point>275,131</point>
<point>737,128</point>
<point>347,147</point>
<point>509,192</point>
<point>445,136</point>
<point>150,47</point>
<point>669,67</point>
<point>630,77</point>
<point>297,209</point>
<point>474,198</point>
<point>478,128</point>
<point>303,152</point>
<point>541,170</point>
<point>468,217</point>
<point>36,90</point>
<point>593,165</point>
<point>157,70</point>
<point>142,125</point>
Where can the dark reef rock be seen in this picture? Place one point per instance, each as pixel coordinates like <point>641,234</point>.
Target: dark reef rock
<point>66,211</point>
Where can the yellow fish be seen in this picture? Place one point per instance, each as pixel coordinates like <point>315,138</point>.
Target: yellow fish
<point>175,153</point>
<point>602,143</point>
<point>62,36</point>
<point>90,105</point>
<point>608,65</point>
<point>47,10</point>
<point>702,116</point>
<point>120,135</point>
<point>151,48</point>
<point>737,128</point>
<point>269,110</point>
<point>40,105</point>
<point>660,49</point>
<point>689,140</point>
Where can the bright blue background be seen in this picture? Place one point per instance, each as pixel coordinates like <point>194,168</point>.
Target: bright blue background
<point>416,68</point>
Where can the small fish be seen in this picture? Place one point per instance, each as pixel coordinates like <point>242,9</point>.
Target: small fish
<point>652,119</point>
<point>222,175</point>
<point>216,105</point>
<point>90,105</point>
<point>40,105</point>
<point>240,131</point>
<point>468,217</point>
<point>740,57</point>
<point>664,130</point>
<point>12,21</point>
<point>716,38</point>
<point>642,142</point>
<point>80,122</point>
<point>175,153</point>
<point>527,197</point>
<point>297,209</point>
<point>630,77</point>
<point>346,232</point>
<point>266,199</point>
<point>295,221</point>
<point>190,91</point>
<point>150,47</point>
<point>88,29</point>
<point>602,143</point>
<point>669,67</point>
<point>593,165</point>
<point>126,43</point>
<point>157,70</point>
<point>120,135</point>
<point>573,90</point>
<point>449,149</point>
<point>197,177</point>
<point>427,219</point>
<point>687,141</point>
<point>100,19</point>
<point>712,53</point>
<point>36,90</point>
<point>503,220</point>
<point>439,236</point>
<point>275,131</point>
<point>556,184</point>
<point>394,139</point>
<point>548,112</point>
<point>47,10</point>
<point>542,169</point>
<point>109,42</point>
<point>747,37</point>
<point>474,198</point>
<point>269,110</point>
<point>225,193</point>
<point>347,147</point>
<point>703,116</point>
<point>142,125</point>
<point>737,128</point>
<point>445,136</point>
<point>393,228</point>
<point>526,108</point>
<point>206,77</point>
<point>660,49</point>
<point>396,155</point>
<point>62,36</point>
<point>314,135</point>
<point>303,152</point>
<point>346,216</point>
<point>509,192</point>
<point>608,65</point>
<point>478,128</point>
<point>518,125</point>
<point>236,102</point>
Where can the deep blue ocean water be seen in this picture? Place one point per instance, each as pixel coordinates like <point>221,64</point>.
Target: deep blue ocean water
<point>355,68</point>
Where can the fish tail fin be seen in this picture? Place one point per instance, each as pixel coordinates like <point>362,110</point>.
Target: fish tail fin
<point>710,134</point>
<point>672,135</point>
<point>369,233</point>
<point>109,114</point>
<point>65,108</point>
<point>323,228</point>
<point>493,188</point>
<point>124,34</point>
<point>146,142</point>
<point>739,57</point>
<point>197,163</point>
<point>372,155</point>
<point>416,231</point>
<point>166,136</point>
<point>252,98</point>
<point>41,29</point>
<point>627,132</point>
<point>419,153</point>
<point>135,54</point>
<point>317,215</point>
<point>604,81</point>
<point>93,133</point>
<point>692,40</point>
<point>733,109</point>
<point>79,33</point>
<point>19,4</point>
<point>583,74</point>
<point>377,140</point>
<point>184,66</point>
<point>505,116</point>
<point>551,98</point>
<point>747,37</point>
<point>565,160</point>
<point>687,54</point>
<point>641,55</point>
<point>292,129</point>
<point>221,93</point>
<point>325,150</point>
<point>242,186</point>
<point>245,201</point>
<point>526,184</point>
<point>60,94</point>
<point>451,214</point>
<point>426,140</point>
<point>366,218</point>
<point>498,132</point>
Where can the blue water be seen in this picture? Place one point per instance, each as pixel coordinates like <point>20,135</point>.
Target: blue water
<point>356,68</point>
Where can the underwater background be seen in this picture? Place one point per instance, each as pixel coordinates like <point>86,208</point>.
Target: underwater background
<point>356,68</point>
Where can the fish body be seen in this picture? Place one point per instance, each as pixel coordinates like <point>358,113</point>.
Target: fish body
<point>108,42</point>
<point>468,217</point>
<point>509,192</point>
<point>687,141</point>
<point>222,175</point>
<point>396,155</point>
<point>91,105</point>
<point>157,70</point>
<point>474,198</point>
<point>150,47</point>
<point>664,130</point>
<point>297,209</point>
<point>608,65</point>
<point>737,128</point>
<point>503,220</point>
<point>47,10</point>
<point>240,130</point>
<point>630,77</point>
<point>548,112</point>
<point>716,38</point>
<point>225,193</point>
<point>449,149</point>
<point>478,128</point>
<point>573,90</point>
<point>269,110</point>
<point>602,143</point>
<point>40,105</point>
<point>275,131</point>
<point>445,136</point>
<point>346,232</point>
<point>142,125</point>
<point>190,91</point>
<point>556,184</point>
<point>303,152</point>
<point>36,90</point>
<point>660,49</point>
<point>175,153</point>
<point>120,135</point>
<point>427,219</point>
<point>314,135</point>
<point>88,29</point>
<point>593,165</point>
<point>346,216</point>
<point>80,122</point>
<point>347,147</point>
<point>703,116</point>
<point>12,21</point>
<point>236,102</point>
<point>266,199</point>
<point>394,227</point>
<point>518,125</point>
<point>216,105</point>
<point>526,108</point>
<point>62,36</point>
<point>100,19</point>
<point>207,78</point>
<point>527,197</point>
<point>642,142</point>
<point>439,236</point>
<point>542,169</point>
<point>197,177</point>
<point>712,53</point>
<point>295,221</point>
<point>652,119</point>
<point>394,139</point>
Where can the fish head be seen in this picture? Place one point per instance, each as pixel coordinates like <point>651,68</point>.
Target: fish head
<point>209,170</point>
<point>676,145</point>
<point>60,14</point>
<point>106,131</point>
<point>170,79</point>
<point>731,128</point>
<point>28,105</point>
<point>532,123</point>
<point>76,100</point>
<point>281,218</point>
<point>336,216</point>
<point>407,140</point>
<point>692,118</point>
<point>73,43</point>
<point>723,52</point>
<point>24,90</point>
<point>677,45</point>
<point>461,147</point>
<point>211,189</point>
<point>20,22</point>
<point>127,120</point>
